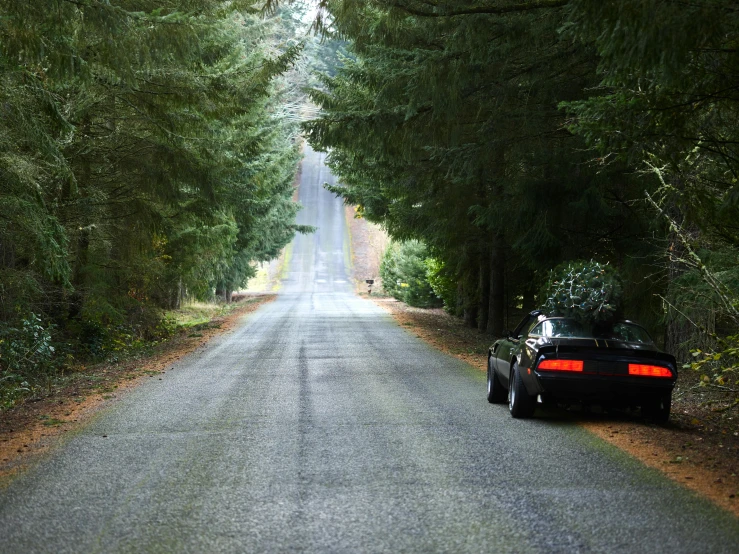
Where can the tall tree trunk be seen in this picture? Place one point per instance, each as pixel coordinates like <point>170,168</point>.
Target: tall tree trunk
<point>470,316</point>
<point>497,300</point>
<point>459,300</point>
<point>482,314</point>
<point>496,318</point>
<point>469,300</point>
<point>180,293</point>
<point>81,259</point>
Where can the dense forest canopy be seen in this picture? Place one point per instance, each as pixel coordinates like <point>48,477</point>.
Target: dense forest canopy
<point>144,158</point>
<point>511,136</point>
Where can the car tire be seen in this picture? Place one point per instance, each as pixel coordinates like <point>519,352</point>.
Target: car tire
<point>520,403</point>
<point>658,408</point>
<point>496,392</point>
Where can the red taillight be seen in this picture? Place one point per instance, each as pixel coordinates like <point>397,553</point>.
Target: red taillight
<point>649,370</point>
<point>560,365</point>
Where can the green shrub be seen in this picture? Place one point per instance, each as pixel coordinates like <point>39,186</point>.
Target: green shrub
<point>403,272</point>
<point>719,365</point>
<point>389,272</point>
<point>26,348</point>
<point>26,358</point>
<point>443,285</point>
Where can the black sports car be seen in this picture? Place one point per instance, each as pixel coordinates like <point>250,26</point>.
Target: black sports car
<point>559,360</point>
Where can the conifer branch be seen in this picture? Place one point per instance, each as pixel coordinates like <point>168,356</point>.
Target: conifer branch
<point>694,259</point>
<point>484,10</point>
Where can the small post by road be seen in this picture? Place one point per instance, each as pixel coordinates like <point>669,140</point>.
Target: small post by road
<point>369,282</point>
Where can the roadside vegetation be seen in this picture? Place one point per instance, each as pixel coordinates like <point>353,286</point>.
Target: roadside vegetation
<point>508,138</point>
<point>404,273</point>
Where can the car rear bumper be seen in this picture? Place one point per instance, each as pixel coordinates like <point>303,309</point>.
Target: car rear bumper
<point>597,388</point>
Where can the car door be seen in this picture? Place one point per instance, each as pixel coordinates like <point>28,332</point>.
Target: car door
<point>503,359</point>
<point>509,346</point>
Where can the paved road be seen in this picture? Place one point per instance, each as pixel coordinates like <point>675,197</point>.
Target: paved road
<point>321,426</point>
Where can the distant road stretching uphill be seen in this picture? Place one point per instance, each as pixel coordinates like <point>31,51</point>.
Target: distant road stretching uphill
<point>321,426</point>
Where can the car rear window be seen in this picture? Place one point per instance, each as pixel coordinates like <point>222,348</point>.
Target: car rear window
<point>627,332</point>
<point>570,328</point>
<point>564,328</point>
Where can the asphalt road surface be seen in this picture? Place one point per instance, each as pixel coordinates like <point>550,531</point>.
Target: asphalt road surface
<point>321,426</point>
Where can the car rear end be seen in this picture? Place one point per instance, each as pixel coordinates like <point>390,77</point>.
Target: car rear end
<point>604,374</point>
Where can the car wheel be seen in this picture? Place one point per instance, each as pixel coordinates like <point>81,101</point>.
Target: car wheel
<point>520,403</point>
<point>496,392</point>
<point>658,409</point>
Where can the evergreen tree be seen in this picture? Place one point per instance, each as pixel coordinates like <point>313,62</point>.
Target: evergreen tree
<point>446,128</point>
<point>404,274</point>
<point>142,158</point>
<point>666,105</point>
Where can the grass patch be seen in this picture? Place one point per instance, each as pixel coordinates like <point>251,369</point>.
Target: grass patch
<point>196,315</point>
<point>51,421</point>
